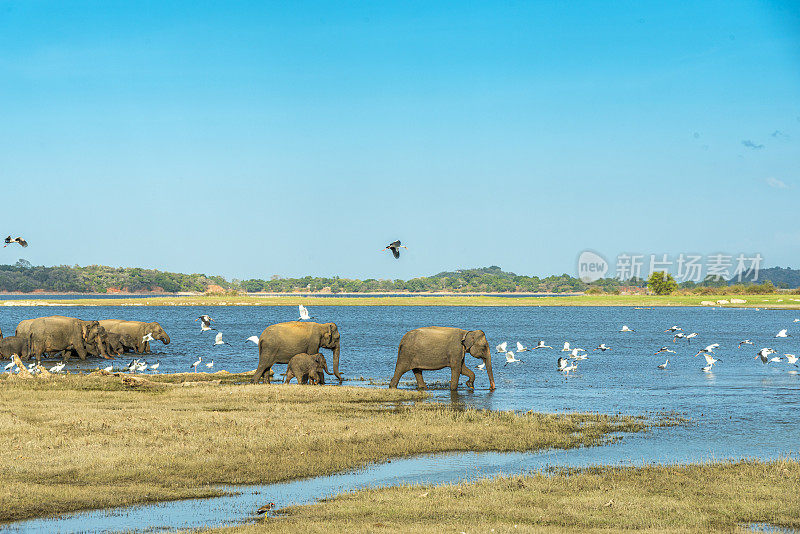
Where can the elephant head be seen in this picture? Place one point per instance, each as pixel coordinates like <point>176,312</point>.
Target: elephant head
<point>330,340</point>
<point>474,342</point>
<point>155,330</point>
<point>94,334</point>
<point>321,363</point>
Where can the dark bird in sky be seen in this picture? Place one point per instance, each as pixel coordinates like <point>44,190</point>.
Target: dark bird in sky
<point>24,243</point>
<point>395,247</point>
<point>205,323</point>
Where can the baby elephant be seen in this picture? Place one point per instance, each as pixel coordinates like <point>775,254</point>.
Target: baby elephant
<point>307,368</point>
<point>120,343</point>
<point>14,345</point>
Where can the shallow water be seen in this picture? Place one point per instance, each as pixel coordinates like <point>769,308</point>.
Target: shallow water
<point>742,409</point>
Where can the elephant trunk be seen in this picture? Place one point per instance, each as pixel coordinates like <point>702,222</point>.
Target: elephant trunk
<point>325,366</point>
<point>489,372</point>
<point>164,338</point>
<point>336,362</point>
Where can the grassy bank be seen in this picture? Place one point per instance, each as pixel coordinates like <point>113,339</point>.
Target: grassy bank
<point>75,442</point>
<point>700,498</point>
<point>753,301</point>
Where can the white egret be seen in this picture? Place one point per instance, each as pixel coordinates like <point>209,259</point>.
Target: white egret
<point>664,365</point>
<point>602,347</point>
<point>626,329</point>
<point>10,365</point>
<point>521,347</point>
<point>501,348</point>
<point>304,316</point>
<point>58,367</point>
<point>108,369</point>
<point>155,366</point>
<point>218,340</point>
<point>569,368</point>
<point>796,321</point>
<point>574,353</point>
<point>792,359</point>
<point>142,366</point>
<point>776,359</point>
<point>566,347</point>
<point>210,364</point>
<point>710,360</point>
<point>562,363</point>
<point>148,337</point>
<point>664,349</point>
<point>782,333</point>
<point>481,365</point>
<point>510,358</point>
<point>254,339</point>
<point>541,345</point>
<point>707,368</point>
<point>195,364</point>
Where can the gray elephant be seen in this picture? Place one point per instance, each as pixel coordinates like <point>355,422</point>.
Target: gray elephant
<point>57,333</point>
<point>137,330</point>
<point>307,368</point>
<point>120,343</point>
<point>14,345</point>
<point>279,342</point>
<point>437,347</point>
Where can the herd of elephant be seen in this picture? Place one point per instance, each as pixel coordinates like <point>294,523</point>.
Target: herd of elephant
<point>422,349</point>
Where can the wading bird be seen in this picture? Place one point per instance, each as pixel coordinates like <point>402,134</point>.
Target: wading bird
<point>142,367</point>
<point>782,333</point>
<point>541,345</point>
<point>566,347</point>
<point>792,359</point>
<point>155,366</point>
<point>108,369</point>
<point>710,360</point>
<point>195,364</point>
<point>569,368</point>
<point>664,365</point>
<point>673,329</point>
<point>254,339</point>
<point>562,363</point>
<point>664,349</point>
<point>132,366</point>
<point>522,348</point>
<point>510,358</point>
<point>764,354</point>
<point>210,364</point>
<point>58,367</point>
<point>745,342</point>
<point>266,508</point>
<point>205,323</point>
<point>708,350</point>
<point>17,240</point>
<point>218,340</point>
<point>395,247</point>
<point>707,368</point>
<point>602,347</point>
<point>303,313</point>
<point>10,365</point>
<point>501,348</point>
<point>626,329</point>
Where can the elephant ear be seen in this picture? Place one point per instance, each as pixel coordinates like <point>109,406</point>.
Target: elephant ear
<point>468,340</point>
<point>84,330</point>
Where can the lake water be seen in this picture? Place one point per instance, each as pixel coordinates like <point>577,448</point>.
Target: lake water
<point>742,409</point>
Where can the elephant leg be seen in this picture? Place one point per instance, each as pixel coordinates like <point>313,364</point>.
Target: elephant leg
<point>398,372</point>
<point>288,377</point>
<point>304,378</point>
<point>455,374</point>
<point>418,376</point>
<point>470,376</point>
<point>147,347</point>
<point>262,368</point>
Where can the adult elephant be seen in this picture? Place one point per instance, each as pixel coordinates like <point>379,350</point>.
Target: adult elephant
<point>436,347</point>
<point>279,342</point>
<point>137,330</point>
<point>58,333</point>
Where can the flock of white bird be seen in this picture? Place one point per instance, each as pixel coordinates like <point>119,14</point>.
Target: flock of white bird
<point>568,364</point>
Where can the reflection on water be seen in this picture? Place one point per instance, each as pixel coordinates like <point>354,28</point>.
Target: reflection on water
<point>742,409</point>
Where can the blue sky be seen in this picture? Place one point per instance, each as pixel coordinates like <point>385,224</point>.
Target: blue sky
<point>292,138</point>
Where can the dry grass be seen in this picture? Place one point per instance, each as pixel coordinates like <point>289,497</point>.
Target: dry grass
<point>75,442</point>
<point>777,301</point>
<point>700,498</point>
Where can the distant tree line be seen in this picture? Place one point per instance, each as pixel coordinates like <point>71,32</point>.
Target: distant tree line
<point>26,278</point>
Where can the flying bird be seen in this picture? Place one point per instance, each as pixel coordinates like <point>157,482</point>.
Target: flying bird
<point>708,350</point>
<point>148,337</point>
<point>569,368</point>
<point>218,340</point>
<point>303,313</point>
<point>395,247</point>
<point>792,359</point>
<point>574,353</point>
<point>481,365</point>
<point>745,342</point>
<point>602,347</point>
<point>521,348</point>
<point>205,323</point>
<point>710,360</point>
<point>566,347</point>
<point>673,329</point>
<point>562,363</point>
<point>501,348</point>
<point>541,345</point>
<point>782,333</point>
<point>664,365</point>
<point>764,354</point>
<point>254,339</point>
<point>510,358</point>
<point>776,359</point>
<point>626,329</point>
<point>679,335</point>
<point>17,240</point>
<point>664,349</point>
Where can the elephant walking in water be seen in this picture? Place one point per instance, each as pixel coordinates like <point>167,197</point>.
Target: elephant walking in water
<point>57,333</point>
<point>279,342</point>
<point>137,330</point>
<point>437,347</point>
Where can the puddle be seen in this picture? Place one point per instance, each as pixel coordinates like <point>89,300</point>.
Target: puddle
<point>766,527</point>
<point>434,469</point>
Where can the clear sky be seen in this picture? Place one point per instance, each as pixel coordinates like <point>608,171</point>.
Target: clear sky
<point>292,138</point>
